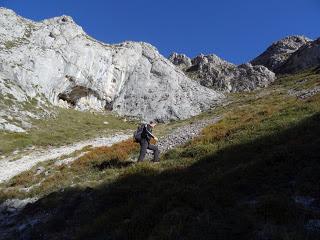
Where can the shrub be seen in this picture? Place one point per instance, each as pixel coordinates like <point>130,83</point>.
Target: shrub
<point>117,152</point>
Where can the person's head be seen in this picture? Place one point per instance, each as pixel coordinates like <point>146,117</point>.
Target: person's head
<point>152,124</point>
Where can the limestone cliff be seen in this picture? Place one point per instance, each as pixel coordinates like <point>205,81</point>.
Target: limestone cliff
<point>55,61</point>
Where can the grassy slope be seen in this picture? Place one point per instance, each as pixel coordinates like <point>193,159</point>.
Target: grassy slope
<point>67,126</point>
<point>236,181</point>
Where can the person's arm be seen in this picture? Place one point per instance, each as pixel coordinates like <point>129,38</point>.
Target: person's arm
<point>148,132</point>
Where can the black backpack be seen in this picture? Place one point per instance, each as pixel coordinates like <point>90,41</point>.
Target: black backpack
<point>138,132</point>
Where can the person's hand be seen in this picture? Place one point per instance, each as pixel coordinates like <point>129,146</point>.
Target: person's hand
<point>155,138</point>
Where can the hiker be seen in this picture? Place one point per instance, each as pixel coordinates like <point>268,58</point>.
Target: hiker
<point>146,135</point>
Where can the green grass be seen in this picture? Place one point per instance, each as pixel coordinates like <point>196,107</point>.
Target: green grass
<point>237,180</point>
<point>64,127</point>
<point>9,44</point>
<point>6,100</point>
<point>18,41</point>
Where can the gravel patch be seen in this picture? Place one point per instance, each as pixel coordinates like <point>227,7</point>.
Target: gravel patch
<point>183,134</point>
<point>305,94</point>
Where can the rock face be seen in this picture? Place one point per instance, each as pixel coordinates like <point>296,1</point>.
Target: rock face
<point>180,60</point>
<point>279,52</point>
<point>55,61</point>
<point>308,56</point>
<point>213,72</point>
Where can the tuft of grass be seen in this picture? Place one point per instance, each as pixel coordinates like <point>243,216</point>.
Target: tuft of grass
<point>17,41</point>
<point>9,44</point>
<point>6,100</point>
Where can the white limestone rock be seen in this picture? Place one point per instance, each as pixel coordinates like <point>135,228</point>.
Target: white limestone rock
<point>56,60</point>
<point>180,60</point>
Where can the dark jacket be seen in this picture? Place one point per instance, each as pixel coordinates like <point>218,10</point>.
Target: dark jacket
<point>147,132</point>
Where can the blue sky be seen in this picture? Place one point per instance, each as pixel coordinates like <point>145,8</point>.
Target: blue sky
<point>236,30</point>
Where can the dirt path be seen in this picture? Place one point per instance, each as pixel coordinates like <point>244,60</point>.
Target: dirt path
<point>10,166</point>
<point>185,133</point>
<point>182,135</point>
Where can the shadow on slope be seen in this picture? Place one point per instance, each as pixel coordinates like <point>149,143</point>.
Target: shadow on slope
<point>265,189</point>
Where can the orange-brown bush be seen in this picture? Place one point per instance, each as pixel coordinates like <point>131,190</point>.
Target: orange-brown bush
<point>118,152</point>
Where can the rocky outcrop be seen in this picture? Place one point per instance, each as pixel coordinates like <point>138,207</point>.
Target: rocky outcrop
<point>279,52</point>
<point>308,56</point>
<point>180,60</point>
<point>55,61</point>
<point>305,93</point>
<point>216,73</point>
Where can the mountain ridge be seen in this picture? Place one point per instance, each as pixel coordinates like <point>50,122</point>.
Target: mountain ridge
<point>214,72</point>
<point>280,51</point>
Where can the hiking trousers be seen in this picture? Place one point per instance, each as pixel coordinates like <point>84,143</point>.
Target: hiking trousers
<point>144,145</point>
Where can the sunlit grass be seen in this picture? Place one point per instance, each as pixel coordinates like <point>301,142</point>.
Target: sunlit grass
<point>67,126</point>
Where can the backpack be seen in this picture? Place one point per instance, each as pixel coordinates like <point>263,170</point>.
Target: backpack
<point>138,132</point>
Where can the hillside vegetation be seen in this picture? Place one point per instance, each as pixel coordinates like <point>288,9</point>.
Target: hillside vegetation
<point>252,175</point>
<point>61,127</point>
